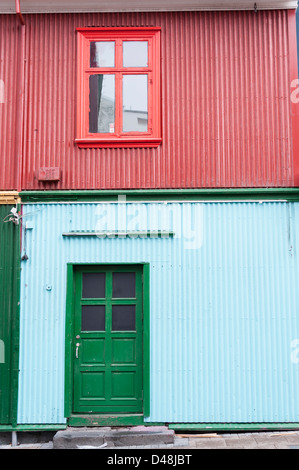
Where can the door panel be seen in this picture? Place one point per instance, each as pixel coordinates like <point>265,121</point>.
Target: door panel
<point>107,347</point>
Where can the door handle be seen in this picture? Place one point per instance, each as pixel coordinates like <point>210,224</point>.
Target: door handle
<point>77,350</point>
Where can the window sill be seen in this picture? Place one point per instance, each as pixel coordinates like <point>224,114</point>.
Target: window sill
<point>119,143</point>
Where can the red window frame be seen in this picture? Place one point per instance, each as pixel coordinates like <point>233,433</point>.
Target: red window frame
<point>151,138</point>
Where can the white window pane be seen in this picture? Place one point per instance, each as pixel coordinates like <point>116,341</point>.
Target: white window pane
<point>135,106</point>
<point>101,103</point>
<point>135,54</point>
<point>102,54</point>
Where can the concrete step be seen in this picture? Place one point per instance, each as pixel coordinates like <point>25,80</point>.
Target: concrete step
<point>108,437</point>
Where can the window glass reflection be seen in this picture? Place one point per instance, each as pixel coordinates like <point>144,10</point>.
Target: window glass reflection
<point>102,54</point>
<point>135,54</point>
<point>135,103</point>
<point>101,103</point>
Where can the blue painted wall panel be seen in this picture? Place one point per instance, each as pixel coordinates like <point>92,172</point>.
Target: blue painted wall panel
<point>223,306</point>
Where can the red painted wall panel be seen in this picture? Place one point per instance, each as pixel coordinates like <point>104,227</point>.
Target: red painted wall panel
<point>11,98</point>
<point>226,114</point>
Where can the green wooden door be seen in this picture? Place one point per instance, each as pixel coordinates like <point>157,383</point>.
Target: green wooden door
<point>107,347</point>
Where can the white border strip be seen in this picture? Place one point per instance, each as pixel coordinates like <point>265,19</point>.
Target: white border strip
<point>71,6</point>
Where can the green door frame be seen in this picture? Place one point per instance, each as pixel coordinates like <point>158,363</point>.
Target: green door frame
<point>93,419</point>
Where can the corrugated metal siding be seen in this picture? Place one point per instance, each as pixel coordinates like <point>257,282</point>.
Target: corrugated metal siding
<point>9,278</point>
<point>225,103</point>
<point>224,306</point>
<point>297,28</point>
<point>10,105</point>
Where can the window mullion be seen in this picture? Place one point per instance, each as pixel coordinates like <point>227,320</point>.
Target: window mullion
<point>118,54</point>
<point>118,103</point>
<point>118,86</point>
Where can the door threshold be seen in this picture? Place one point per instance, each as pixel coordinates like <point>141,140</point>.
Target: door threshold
<point>105,420</point>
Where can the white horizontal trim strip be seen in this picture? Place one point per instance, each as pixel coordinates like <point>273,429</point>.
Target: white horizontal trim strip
<point>77,6</point>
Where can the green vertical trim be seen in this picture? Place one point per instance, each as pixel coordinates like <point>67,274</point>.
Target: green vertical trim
<point>108,338</point>
<point>68,340</point>
<point>9,315</point>
<point>146,339</point>
<point>16,325</point>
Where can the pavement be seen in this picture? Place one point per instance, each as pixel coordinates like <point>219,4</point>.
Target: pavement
<point>245,440</point>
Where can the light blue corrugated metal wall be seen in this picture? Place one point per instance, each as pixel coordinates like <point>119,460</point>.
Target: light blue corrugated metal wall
<point>224,306</point>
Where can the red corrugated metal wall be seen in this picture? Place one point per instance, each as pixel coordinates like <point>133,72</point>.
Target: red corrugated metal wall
<point>10,101</point>
<point>226,117</point>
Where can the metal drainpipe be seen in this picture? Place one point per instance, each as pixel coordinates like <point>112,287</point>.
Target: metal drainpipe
<point>18,12</point>
<point>14,439</point>
<point>21,95</point>
<point>19,136</point>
